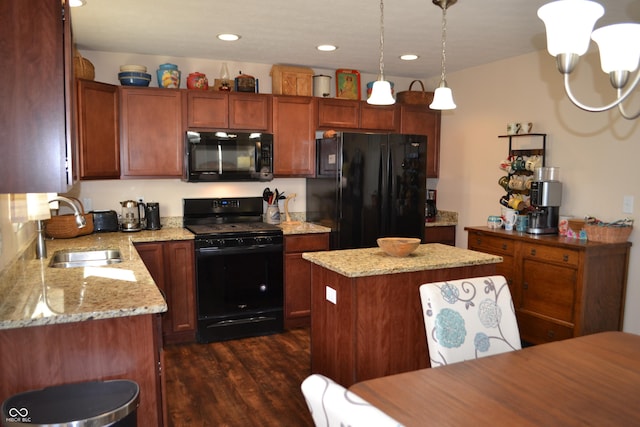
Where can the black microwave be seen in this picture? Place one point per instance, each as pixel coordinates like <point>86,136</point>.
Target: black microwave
<point>228,156</point>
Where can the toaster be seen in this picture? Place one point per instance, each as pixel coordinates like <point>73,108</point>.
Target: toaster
<point>105,221</point>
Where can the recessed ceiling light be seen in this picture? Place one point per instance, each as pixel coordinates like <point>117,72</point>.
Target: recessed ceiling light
<point>409,57</point>
<point>327,47</point>
<point>228,37</point>
<point>77,3</point>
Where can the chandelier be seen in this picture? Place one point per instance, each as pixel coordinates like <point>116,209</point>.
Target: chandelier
<point>569,24</point>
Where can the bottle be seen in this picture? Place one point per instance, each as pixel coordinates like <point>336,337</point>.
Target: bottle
<point>224,78</point>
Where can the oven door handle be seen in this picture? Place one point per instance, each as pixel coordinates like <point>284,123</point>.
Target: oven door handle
<point>239,250</point>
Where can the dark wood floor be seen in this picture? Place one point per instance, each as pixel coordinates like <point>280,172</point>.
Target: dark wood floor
<point>245,383</point>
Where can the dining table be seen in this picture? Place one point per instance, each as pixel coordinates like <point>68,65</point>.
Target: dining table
<point>587,380</point>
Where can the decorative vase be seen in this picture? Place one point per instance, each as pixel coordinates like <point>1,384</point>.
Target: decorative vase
<point>197,81</point>
<point>168,76</point>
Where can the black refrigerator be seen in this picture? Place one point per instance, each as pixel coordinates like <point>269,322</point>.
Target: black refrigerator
<point>369,186</point>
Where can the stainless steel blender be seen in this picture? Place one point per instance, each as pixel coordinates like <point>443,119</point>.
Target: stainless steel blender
<point>546,196</point>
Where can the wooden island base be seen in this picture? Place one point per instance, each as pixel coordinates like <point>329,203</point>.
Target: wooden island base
<point>375,327</point>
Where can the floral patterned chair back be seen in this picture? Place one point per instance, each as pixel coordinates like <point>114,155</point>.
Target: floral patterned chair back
<point>468,319</point>
<point>332,405</point>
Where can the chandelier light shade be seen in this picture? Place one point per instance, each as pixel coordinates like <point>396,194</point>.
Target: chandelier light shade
<point>381,90</point>
<point>443,97</point>
<point>569,25</point>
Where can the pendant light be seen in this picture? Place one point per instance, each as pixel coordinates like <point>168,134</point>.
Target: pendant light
<point>443,98</point>
<point>381,90</point>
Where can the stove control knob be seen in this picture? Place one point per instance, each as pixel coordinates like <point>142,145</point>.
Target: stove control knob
<point>240,241</point>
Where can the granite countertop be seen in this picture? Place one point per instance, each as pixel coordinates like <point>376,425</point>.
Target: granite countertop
<point>444,219</point>
<point>33,294</point>
<point>373,261</point>
<point>301,227</point>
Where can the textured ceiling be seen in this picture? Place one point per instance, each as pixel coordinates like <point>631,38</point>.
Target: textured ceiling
<point>287,31</point>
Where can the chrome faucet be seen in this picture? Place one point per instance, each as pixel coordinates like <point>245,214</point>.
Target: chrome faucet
<point>81,222</point>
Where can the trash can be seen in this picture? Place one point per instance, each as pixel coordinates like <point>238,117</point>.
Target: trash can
<point>87,404</point>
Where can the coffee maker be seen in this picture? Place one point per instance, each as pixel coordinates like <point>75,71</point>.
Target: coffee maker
<point>431,212</point>
<point>546,195</point>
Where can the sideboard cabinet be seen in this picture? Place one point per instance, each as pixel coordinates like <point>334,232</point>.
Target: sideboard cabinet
<point>561,287</point>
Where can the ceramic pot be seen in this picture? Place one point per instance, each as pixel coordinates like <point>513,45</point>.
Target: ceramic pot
<point>168,76</point>
<point>197,81</point>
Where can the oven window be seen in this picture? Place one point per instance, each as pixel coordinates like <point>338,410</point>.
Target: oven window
<point>238,283</point>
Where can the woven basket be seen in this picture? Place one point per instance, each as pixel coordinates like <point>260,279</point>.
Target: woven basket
<point>82,67</point>
<point>414,97</point>
<point>65,227</point>
<point>604,234</point>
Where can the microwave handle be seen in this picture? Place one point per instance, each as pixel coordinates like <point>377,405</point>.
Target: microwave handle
<point>219,159</point>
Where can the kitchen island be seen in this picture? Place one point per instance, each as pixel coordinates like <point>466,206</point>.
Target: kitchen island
<point>366,315</point>
<point>65,325</point>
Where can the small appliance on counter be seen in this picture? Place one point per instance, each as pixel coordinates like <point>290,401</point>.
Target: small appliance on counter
<point>546,196</point>
<point>431,210</point>
<point>152,216</point>
<point>132,216</point>
<point>104,221</point>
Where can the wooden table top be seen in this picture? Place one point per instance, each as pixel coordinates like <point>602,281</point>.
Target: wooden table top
<point>589,380</point>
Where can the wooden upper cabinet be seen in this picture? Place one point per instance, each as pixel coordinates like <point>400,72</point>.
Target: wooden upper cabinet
<point>421,120</point>
<point>338,113</point>
<point>294,136</point>
<point>379,117</point>
<point>207,109</point>
<point>228,110</point>
<point>250,111</point>
<point>151,132</point>
<point>98,130</point>
<point>36,100</point>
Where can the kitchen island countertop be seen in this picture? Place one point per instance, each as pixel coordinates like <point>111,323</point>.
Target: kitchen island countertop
<point>33,294</point>
<point>373,261</point>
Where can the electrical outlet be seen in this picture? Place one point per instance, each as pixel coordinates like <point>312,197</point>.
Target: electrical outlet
<point>627,204</point>
<point>140,199</point>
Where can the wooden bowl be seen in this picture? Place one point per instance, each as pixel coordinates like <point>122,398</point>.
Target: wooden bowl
<point>398,246</point>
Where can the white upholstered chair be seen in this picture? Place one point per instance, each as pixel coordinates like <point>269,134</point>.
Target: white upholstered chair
<point>468,319</point>
<point>332,405</point>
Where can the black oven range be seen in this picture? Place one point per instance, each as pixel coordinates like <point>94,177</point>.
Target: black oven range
<point>239,268</point>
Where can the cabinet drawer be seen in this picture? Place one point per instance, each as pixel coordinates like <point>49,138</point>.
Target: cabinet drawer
<point>552,254</point>
<point>494,245</point>
<point>538,331</point>
<point>548,289</point>
<point>306,242</point>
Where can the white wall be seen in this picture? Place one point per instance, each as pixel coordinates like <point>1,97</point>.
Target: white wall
<point>597,153</point>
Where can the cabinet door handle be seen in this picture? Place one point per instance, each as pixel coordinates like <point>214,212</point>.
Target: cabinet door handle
<point>525,285</point>
<point>565,257</point>
<point>504,246</point>
<point>478,241</point>
<point>533,252</point>
<point>551,333</point>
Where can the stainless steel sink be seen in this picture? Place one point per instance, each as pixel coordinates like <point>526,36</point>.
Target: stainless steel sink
<point>97,258</point>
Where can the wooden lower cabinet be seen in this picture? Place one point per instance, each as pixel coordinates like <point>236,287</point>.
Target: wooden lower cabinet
<point>172,266</point>
<point>441,234</point>
<point>297,277</point>
<point>93,350</point>
<point>561,288</point>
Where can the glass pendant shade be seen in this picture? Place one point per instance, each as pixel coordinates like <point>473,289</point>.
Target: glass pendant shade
<point>381,93</point>
<point>569,24</point>
<point>442,98</point>
<point>619,47</point>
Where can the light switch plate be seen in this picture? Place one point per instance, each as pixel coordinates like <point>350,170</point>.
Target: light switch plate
<point>332,295</point>
<point>627,204</point>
